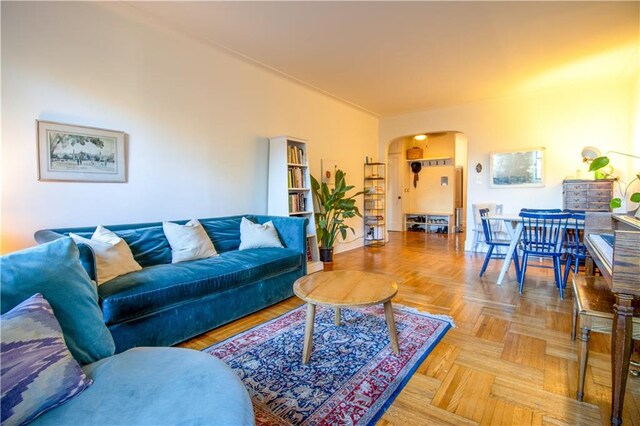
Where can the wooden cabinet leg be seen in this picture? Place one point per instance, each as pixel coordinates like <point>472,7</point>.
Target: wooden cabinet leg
<point>620,353</point>
<point>336,319</point>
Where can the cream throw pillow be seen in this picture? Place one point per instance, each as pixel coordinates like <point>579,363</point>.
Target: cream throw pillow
<point>254,235</point>
<point>188,242</point>
<point>112,254</point>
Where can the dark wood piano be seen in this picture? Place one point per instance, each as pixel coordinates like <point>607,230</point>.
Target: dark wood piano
<point>613,243</point>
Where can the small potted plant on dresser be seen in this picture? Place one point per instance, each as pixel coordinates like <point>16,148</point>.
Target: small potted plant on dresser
<point>333,206</point>
<point>600,164</point>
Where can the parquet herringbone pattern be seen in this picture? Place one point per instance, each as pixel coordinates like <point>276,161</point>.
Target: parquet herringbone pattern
<point>510,361</point>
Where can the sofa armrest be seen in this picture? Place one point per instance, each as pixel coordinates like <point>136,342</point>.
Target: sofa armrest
<point>87,258</point>
<point>292,232</point>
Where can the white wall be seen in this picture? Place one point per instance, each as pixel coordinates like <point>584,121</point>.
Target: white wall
<point>562,119</point>
<point>197,119</point>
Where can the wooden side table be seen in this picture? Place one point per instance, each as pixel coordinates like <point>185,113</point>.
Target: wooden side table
<point>340,289</point>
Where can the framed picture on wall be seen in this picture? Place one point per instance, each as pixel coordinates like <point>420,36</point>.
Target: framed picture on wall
<point>68,152</point>
<point>521,168</point>
<point>328,170</point>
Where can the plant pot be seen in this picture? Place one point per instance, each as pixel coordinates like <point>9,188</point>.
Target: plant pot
<point>326,254</point>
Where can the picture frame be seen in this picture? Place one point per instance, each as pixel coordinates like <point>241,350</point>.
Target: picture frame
<point>523,168</point>
<point>74,153</point>
<point>328,169</point>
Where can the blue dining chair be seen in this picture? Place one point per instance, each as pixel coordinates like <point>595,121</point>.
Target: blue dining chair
<point>543,236</point>
<point>492,242</point>
<point>541,210</point>
<point>575,249</point>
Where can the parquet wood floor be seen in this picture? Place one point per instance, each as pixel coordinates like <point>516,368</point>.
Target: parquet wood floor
<point>510,359</point>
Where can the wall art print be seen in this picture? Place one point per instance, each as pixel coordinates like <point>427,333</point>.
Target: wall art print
<point>68,152</point>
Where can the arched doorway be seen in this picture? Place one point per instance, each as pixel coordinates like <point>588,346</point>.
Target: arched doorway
<point>437,193</point>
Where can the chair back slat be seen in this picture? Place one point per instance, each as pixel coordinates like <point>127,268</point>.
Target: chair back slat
<point>574,238</point>
<point>543,232</point>
<point>486,225</point>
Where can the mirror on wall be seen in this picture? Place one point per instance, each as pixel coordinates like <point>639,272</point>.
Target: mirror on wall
<point>520,168</point>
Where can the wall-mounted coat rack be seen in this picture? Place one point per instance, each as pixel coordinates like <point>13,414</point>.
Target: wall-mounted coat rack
<point>432,162</point>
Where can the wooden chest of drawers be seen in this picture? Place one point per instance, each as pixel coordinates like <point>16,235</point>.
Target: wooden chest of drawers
<point>589,195</point>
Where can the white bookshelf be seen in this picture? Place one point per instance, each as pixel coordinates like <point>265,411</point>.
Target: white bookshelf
<point>290,189</point>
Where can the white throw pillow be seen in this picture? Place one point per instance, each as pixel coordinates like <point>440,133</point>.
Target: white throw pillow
<point>113,255</point>
<point>254,235</point>
<point>188,242</point>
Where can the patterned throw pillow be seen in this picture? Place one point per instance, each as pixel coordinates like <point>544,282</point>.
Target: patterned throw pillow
<point>38,371</point>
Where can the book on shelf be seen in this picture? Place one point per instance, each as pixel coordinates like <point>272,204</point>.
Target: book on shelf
<point>309,256</point>
<point>295,154</point>
<point>297,203</point>
<point>296,177</point>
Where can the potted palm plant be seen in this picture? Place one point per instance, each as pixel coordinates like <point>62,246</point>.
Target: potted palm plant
<point>333,207</point>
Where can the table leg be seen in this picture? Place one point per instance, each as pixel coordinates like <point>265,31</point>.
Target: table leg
<point>515,237</point>
<point>337,316</point>
<point>391,324</point>
<point>308,332</point>
<point>620,353</point>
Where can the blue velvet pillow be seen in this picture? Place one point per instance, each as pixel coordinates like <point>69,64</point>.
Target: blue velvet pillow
<point>38,371</point>
<point>54,270</point>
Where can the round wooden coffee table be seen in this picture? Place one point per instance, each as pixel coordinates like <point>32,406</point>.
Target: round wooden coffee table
<point>340,289</point>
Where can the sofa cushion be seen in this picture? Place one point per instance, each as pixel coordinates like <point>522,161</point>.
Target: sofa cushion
<point>188,241</point>
<point>153,386</point>
<point>256,235</point>
<point>112,254</point>
<point>224,232</point>
<point>162,286</point>
<point>54,270</point>
<point>148,244</point>
<point>38,371</point>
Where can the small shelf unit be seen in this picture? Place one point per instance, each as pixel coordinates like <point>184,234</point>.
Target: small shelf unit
<point>440,223</point>
<point>290,189</point>
<point>375,228</point>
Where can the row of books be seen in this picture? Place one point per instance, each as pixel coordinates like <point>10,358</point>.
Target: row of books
<point>296,177</point>
<point>309,255</point>
<point>297,203</point>
<point>295,155</point>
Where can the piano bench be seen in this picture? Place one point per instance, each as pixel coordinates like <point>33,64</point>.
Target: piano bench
<point>593,306</point>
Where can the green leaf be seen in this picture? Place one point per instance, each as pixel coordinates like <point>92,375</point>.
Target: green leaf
<point>615,203</point>
<point>598,163</point>
<point>635,197</point>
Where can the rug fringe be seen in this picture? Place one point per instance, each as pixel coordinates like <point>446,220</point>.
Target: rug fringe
<point>441,317</point>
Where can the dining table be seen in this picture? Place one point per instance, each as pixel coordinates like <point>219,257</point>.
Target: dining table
<point>513,225</point>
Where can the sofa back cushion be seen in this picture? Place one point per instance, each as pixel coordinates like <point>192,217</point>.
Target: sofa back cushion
<point>224,232</point>
<point>148,245</point>
<point>54,270</point>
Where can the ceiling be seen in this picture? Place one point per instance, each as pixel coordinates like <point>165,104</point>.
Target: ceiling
<point>396,57</point>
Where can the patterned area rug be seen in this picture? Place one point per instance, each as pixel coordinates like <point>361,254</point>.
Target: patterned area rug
<point>353,375</point>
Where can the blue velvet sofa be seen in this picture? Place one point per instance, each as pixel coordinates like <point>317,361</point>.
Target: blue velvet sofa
<point>166,303</point>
